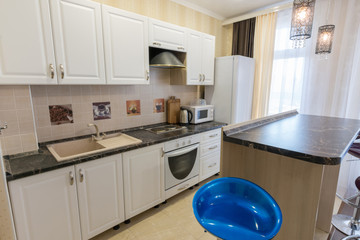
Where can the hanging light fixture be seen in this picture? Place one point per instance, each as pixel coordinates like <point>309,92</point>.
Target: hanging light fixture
<point>301,22</point>
<point>325,37</point>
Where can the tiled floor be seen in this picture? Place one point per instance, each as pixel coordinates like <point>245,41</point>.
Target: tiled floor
<point>171,221</point>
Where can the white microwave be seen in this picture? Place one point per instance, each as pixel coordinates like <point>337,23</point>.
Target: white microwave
<point>200,114</point>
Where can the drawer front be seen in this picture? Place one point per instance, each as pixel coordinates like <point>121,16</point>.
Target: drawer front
<point>181,187</point>
<point>211,136</point>
<point>210,147</point>
<point>210,165</point>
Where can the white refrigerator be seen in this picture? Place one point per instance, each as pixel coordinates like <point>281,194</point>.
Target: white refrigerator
<point>232,92</point>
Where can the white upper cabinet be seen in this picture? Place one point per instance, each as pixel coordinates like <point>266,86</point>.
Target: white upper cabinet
<point>167,36</point>
<point>26,45</point>
<point>78,41</point>
<point>126,49</point>
<point>194,57</point>
<point>208,59</point>
<point>200,58</point>
<point>100,192</point>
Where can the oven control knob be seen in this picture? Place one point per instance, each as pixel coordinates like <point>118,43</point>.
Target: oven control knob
<point>177,145</point>
<point>183,143</point>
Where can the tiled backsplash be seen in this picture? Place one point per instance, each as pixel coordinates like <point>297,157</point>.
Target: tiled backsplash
<point>15,109</point>
<point>82,98</point>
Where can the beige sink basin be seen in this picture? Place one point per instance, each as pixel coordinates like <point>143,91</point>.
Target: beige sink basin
<point>77,148</point>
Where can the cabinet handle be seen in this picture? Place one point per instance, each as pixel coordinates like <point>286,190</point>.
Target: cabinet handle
<point>62,71</point>
<point>214,135</point>
<point>71,175</point>
<point>213,147</point>
<point>157,44</point>
<point>81,173</point>
<point>147,75</point>
<point>200,77</point>
<point>52,71</point>
<point>181,48</point>
<point>203,77</point>
<point>212,165</point>
<point>162,152</point>
<point>184,187</point>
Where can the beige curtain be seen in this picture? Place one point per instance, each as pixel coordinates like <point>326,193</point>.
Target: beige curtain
<point>263,54</point>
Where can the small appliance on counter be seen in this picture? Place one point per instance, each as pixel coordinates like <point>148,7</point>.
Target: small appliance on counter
<point>185,116</point>
<point>200,114</point>
<point>173,110</point>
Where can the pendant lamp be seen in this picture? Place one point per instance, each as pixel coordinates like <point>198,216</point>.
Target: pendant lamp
<point>325,37</point>
<point>301,22</point>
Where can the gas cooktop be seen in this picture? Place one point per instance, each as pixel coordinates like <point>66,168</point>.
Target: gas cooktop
<point>166,129</point>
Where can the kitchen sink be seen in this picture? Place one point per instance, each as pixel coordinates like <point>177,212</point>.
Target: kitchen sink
<point>71,149</point>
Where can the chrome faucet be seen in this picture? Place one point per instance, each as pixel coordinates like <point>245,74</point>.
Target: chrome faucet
<point>99,136</point>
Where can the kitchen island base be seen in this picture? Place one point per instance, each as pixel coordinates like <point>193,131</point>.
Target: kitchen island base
<point>297,186</point>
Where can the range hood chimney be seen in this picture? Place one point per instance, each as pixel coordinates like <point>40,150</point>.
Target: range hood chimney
<point>166,59</point>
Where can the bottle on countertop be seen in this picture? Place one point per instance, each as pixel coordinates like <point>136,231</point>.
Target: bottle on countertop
<point>173,110</point>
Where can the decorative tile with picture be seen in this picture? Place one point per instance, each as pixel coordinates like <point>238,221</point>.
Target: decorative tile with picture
<point>159,105</point>
<point>60,114</point>
<point>133,107</point>
<point>101,110</point>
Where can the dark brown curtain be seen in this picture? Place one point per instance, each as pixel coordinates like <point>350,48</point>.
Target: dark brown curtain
<point>243,38</point>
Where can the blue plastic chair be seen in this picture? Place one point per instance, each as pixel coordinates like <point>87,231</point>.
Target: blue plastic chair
<point>234,208</point>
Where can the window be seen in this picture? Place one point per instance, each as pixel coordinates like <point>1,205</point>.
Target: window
<point>288,68</point>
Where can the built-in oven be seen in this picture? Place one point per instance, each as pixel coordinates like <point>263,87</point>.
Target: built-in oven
<point>181,163</point>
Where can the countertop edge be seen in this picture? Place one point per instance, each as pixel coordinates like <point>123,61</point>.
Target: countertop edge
<point>287,153</point>
<point>11,176</point>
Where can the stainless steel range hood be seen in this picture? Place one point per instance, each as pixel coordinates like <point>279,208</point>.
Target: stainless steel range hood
<point>166,59</point>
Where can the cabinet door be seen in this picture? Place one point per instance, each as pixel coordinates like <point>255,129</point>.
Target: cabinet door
<point>143,179</point>
<point>100,191</point>
<point>167,36</point>
<point>78,41</point>
<point>126,49</point>
<point>45,206</point>
<point>194,58</point>
<point>208,59</point>
<point>26,45</point>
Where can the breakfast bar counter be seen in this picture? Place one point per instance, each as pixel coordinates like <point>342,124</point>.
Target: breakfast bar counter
<point>294,157</point>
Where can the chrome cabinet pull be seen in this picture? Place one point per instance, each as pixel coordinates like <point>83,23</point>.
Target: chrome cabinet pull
<point>162,152</point>
<point>62,71</point>
<point>181,48</point>
<point>213,147</point>
<point>81,173</point>
<point>157,44</point>
<point>147,75</point>
<point>71,175</point>
<point>200,77</point>
<point>214,135</point>
<point>52,71</point>
<point>212,165</point>
<point>203,77</point>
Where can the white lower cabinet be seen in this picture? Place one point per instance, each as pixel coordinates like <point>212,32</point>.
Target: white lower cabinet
<point>101,196</point>
<point>143,179</point>
<point>46,206</point>
<point>210,147</point>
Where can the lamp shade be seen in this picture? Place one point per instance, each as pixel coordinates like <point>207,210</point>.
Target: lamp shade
<point>302,20</point>
<point>325,39</point>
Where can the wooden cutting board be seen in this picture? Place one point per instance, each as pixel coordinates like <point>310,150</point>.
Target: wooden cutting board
<point>173,110</point>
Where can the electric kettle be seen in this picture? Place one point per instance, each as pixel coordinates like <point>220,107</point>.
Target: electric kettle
<point>185,116</point>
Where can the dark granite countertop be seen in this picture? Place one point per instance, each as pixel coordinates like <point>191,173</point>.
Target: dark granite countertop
<point>27,164</point>
<point>315,139</point>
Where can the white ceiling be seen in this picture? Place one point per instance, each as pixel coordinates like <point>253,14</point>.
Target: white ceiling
<point>225,9</point>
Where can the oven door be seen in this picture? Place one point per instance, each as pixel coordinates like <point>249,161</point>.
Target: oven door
<point>181,165</point>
